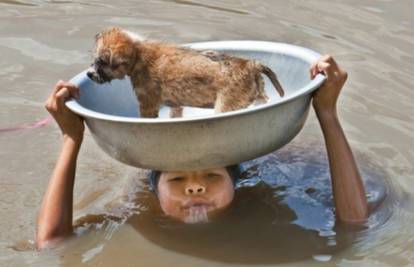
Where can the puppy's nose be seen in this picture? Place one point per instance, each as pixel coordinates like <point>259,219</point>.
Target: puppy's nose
<point>89,74</point>
<point>195,190</point>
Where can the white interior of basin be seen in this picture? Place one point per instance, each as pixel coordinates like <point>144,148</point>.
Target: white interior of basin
<point>290,63</point>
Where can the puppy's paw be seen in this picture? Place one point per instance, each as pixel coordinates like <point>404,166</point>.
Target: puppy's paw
<point>176,112</point>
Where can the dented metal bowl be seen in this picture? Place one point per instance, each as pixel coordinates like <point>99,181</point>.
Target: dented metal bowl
<point>202,139</point>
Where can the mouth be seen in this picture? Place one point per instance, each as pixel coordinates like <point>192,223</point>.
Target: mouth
<point>198,203</point>
<point>197,214</point>
<point>98,76</point>
<point>197,210</point>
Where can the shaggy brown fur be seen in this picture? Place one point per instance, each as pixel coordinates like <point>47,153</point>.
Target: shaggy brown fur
<point>175,76</point>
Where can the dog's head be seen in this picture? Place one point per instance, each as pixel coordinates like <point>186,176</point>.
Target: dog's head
<point>114,55</point>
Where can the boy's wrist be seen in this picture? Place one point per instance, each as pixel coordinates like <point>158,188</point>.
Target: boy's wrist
<point>326,115</point>
<point>72,140</point>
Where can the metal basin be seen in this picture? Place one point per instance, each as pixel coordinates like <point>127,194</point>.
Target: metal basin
<point>202,139</point>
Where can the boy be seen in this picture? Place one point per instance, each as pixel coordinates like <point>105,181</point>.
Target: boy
<point>191,196</point>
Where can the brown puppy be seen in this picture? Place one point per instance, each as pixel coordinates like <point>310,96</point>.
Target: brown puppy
<point>175,76</point>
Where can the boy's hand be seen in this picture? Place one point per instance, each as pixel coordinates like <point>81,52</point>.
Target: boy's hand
<point>69,123</point>
<point>324,99</point>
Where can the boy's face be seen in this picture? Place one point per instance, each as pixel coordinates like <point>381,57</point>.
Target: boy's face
<point>193,195</point>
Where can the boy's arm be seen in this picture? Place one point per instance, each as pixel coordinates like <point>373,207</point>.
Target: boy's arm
<point>55,216</point>
<point>348,190</point>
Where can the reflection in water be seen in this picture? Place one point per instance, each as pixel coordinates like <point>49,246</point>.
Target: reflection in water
<point>256,228</point>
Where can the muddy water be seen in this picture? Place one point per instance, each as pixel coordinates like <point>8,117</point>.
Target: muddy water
<point>43,41</point>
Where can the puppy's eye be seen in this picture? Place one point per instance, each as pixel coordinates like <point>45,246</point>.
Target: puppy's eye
<point>176,179</point>
<point>117,64</point>
<point>101,62</point>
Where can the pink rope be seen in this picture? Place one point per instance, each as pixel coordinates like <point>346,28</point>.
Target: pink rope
<point>23,127</point>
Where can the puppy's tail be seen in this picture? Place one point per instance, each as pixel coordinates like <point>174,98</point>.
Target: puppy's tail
<point>273,78</point>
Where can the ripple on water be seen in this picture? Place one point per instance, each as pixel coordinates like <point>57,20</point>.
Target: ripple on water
<point>212,7</point>
<point>18,3</point>
<point>134,21</point>
<point>38,51</point>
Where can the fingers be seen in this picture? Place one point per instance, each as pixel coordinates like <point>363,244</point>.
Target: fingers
<point>58,85</point>
<point>62,95</point>
<point>325,68</point>
<point>62,92</point>
<point>313,71</point>
<point>73,89</point>
<point>319,67</point>
<point>326,65</point>
<point>329,59</point>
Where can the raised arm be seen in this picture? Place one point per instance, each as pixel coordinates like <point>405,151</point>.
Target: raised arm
<point>348,190</point>
<point>55,216</point>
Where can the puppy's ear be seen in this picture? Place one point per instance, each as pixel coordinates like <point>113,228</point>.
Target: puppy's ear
<point>98,36</point>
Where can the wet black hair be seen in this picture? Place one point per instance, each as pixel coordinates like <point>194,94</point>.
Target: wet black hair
<point>154,176</point>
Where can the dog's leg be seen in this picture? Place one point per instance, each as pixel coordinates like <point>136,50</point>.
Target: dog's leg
<point>149,113</point>
<point>176,112</point>
<point>261,98</point>
<point>149,105</point>
<point>227,102</point>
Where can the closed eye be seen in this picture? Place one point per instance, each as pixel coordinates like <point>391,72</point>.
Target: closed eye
<point>100,62</point>
<point>176,179</point>
<point>213,175</point>
<point>117,64</point>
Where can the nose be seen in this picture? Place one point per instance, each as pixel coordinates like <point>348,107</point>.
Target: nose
<point>89,74</point>
<point>195,189</point>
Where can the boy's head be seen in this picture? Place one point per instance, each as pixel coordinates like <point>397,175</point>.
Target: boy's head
<point>192,195</point>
